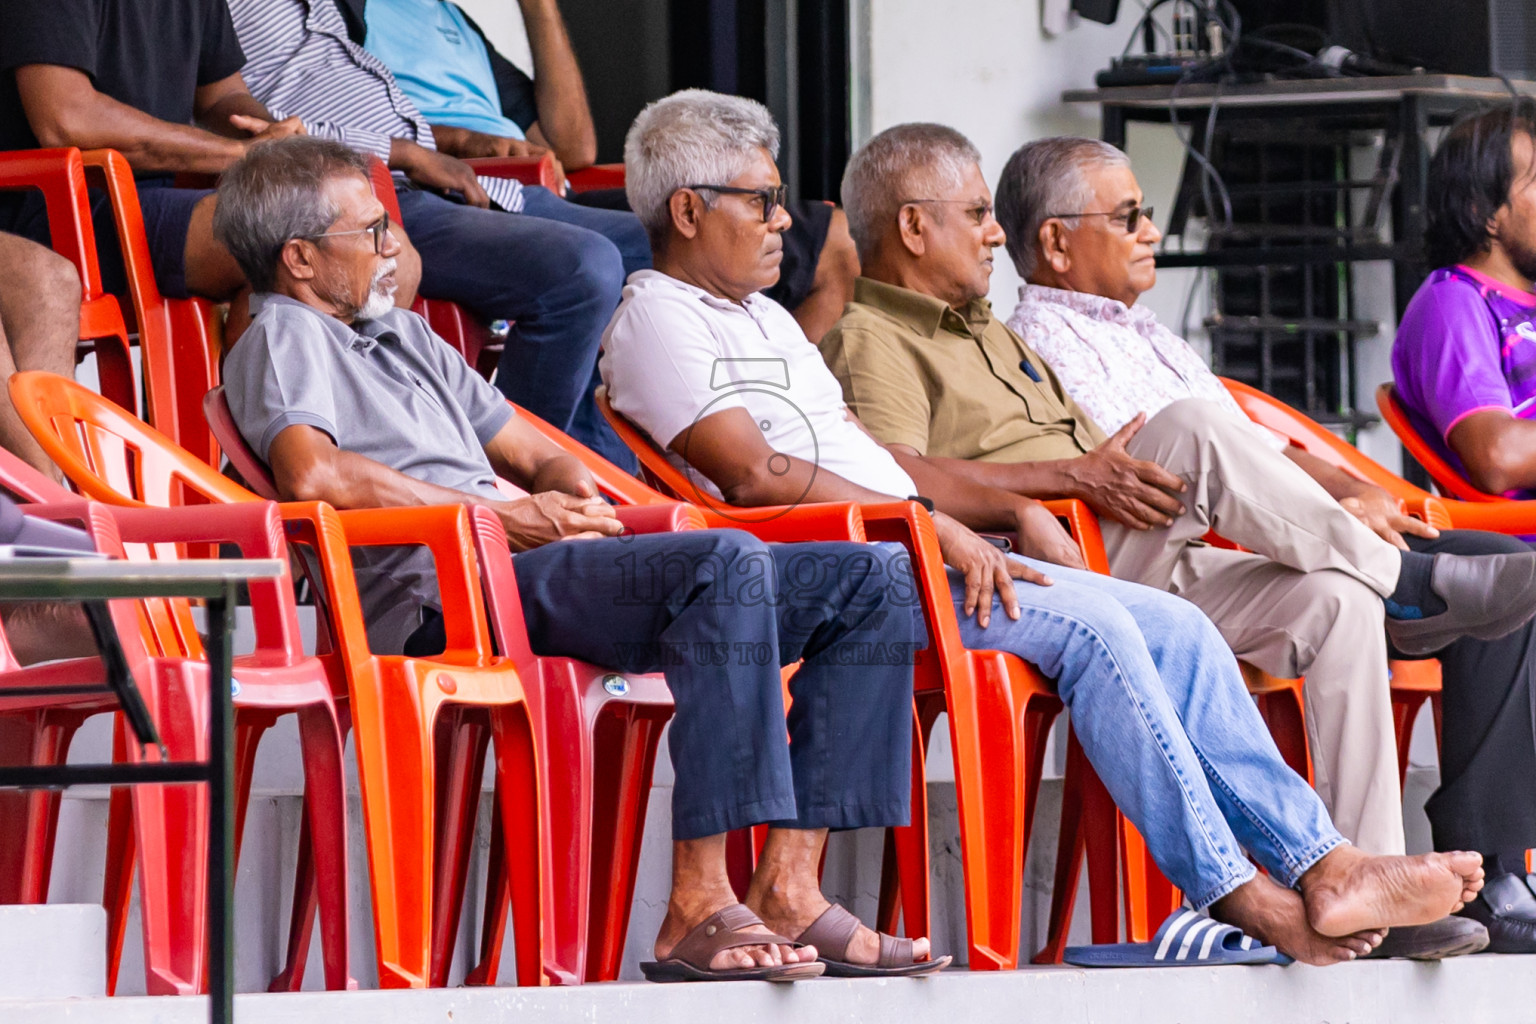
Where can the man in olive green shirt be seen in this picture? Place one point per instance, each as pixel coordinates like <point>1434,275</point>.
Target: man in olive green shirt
<point>926,368</point>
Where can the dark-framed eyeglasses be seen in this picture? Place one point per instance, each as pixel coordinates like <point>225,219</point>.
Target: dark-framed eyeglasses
<point>378,229</point>
<point>772,198</point>
<point>1131,218</point>
<point>979,209</point>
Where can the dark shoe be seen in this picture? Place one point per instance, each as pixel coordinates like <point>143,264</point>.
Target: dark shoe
<point>1507,908</point>
<point>1449,936</point>
<point>1486,597</point>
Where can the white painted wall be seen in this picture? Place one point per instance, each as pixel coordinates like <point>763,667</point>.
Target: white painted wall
<point>502,21</point>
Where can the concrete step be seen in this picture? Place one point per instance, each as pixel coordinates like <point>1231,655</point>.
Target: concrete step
<point>53,951</point>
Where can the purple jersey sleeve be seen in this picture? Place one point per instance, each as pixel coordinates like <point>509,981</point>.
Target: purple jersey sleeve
<point>1446,362</point>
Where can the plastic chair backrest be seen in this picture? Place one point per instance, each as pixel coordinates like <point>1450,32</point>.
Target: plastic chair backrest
<point>177,338</point>
<point>246,462</point>
<point>654,464</point>
<point>1441,471</point>
<point>111,455</point>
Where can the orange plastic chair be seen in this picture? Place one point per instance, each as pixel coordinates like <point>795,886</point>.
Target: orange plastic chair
<point>597,729</point>
<point>59,174</point>
<point>393,701</point>
<point>1478,510</point>
<point>275,680</point>
<point>1414,683</point>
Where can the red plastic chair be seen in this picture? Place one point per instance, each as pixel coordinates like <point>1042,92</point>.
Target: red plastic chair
<point>393,700</point>
<point>597,176</point>
<point>598,729</point>
<point>276,679</point>
<point>59,174</point>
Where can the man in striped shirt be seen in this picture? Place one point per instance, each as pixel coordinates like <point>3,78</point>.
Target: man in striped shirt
<point>555,270</point>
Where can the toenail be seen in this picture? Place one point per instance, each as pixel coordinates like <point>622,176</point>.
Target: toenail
<point>710,930</point>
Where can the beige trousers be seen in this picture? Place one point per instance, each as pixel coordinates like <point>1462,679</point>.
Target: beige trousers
<point>1304,600</point>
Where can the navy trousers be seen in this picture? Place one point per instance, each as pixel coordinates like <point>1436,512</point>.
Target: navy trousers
<point>718,612</point>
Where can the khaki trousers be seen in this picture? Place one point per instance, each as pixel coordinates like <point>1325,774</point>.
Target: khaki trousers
<point>1304,600</point>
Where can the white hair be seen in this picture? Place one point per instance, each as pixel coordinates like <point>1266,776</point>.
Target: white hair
<point>1045,179</point>
<point>692,137</point>
<point>907,162</point>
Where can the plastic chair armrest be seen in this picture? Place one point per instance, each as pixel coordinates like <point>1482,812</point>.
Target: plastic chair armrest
<point>59,174</point>
<point>257,530</point>
<point>317,527</point>
<point>611,480</point>
<point>909,524</point>
<point>1083,525</point>
<point>504,605</point>
<point>1517,518</point>
<point>1428,510</point>
<point>445,532</point>
<point>530,170</point>
<point>668,518</point>
<point>595,177</point>
<point>822,521</point>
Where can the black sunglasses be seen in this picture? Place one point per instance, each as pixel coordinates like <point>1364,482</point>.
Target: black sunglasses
<point>378,229</point>
<point>1132,217</point>
<point>772,198</point>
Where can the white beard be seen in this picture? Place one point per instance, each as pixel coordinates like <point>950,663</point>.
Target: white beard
<point>381,296</point>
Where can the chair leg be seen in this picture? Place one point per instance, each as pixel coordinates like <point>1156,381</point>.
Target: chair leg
<point>498,904</point>
<point>395,764</point>
<point>171,826</point>
<point>989,792</point>
<point>301,919</point>
<point>27,846</point>
<point>325,809</point>
<point>1070,846</point>
<point>624,757</point>
<point>461,740</point>
<point>910,844</point>
<point>517,780</point>
<point>122,851</point>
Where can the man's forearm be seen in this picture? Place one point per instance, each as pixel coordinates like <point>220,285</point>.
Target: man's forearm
<point>147,143</point>
<point>348,480</point>
<point>1335,481</point>
<point>216,117</point>
<point>565,119</point>
<point>1049,479</point>
<point>976,504</point>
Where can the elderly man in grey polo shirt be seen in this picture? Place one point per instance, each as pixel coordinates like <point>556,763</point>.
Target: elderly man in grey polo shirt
<point>355,402</point>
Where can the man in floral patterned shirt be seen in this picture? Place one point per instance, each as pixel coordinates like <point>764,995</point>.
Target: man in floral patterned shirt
<point>925,366</point>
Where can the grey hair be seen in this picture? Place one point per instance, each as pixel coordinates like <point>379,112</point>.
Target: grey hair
<point>692,137</point>
<point>276,193</point>
<point>906,162</point>
<point>1046,178</point>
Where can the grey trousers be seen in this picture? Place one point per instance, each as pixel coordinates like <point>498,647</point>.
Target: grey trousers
<point>1304,600</point>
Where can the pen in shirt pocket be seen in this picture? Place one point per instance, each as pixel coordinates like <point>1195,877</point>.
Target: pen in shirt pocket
<point>1034,375</point>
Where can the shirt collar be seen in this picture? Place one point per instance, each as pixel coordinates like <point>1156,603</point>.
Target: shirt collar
<point>1097,307</point>
<point>361,337</point>
<point>922,313</point>
<point>655,278</point>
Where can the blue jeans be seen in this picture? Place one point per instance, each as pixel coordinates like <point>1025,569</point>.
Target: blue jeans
<point>557,280</point>
<point>1161,711</point>
<point>718,612</point>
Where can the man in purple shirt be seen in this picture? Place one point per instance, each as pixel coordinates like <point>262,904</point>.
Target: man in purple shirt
<point>1465,356</point>
<point>1464,363</point>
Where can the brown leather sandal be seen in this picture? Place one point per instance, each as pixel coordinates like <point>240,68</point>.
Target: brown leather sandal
<point>692,956</point>
<point>834,930</point>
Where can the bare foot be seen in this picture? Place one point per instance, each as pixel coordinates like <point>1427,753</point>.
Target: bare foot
<point>1277,917</point>
<point>686,912</point>
<point>792,912</point>
<point>1348,890</point>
